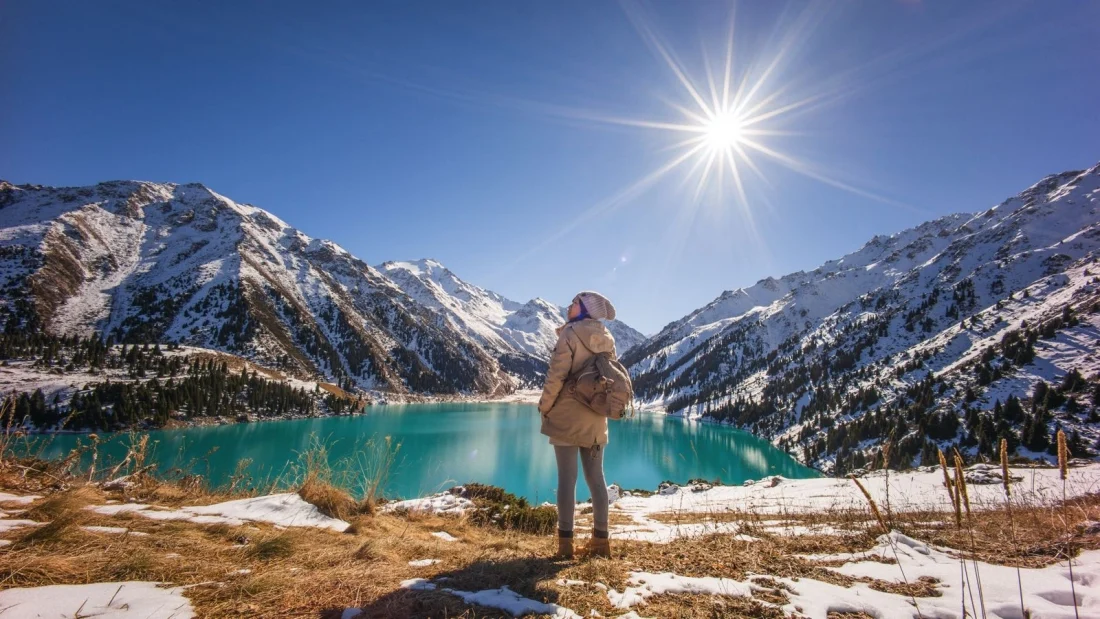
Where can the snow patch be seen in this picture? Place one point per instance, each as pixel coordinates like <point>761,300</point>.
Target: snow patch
<point>21,500</point>
<point>8,525</point>
<point>418,584</point>
<point>114,531</point>
<point>509,601</point>
<point>442,503</point>
<point>287,510</point>
<point>106,600</point>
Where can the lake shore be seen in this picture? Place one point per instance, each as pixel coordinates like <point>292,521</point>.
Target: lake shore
<point>520,396</point>
<point>526,396</point>
<point>523,396</point>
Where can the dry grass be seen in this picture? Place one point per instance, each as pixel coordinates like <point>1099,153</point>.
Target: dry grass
<point>331,500</point>
<point>256,570</point>
<point>1042,534</point>
<point>62,503</point>
<point>337,391</point>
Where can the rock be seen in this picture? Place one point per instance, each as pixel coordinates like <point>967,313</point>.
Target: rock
<point>748,482</point>
<point>119,483</point>
<point>986,476</point>
<point>1089,527</point>
<point>614,493</point>
<point>701,487</point>
<point>667,488</point>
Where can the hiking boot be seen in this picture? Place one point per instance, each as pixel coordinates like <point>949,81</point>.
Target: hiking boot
<point>565,545</point>
<point>599,545</point>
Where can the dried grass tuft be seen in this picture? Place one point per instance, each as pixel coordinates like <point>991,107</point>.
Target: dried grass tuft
<point>278,546</point>
<point>330,500</point>
<point>1063,470</point>
<point>871,502</point>
<point>50,533</point>
<point>65,502</point>
<point>950,488</point>
<point>960,484</point>
<point>1063,455</point>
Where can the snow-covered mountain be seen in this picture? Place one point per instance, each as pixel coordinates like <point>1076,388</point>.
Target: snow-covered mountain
<point>151,262</point>
<point>957,333</point>
<point>148,262</point>
<point>521,335</point>
<point>916,338</point>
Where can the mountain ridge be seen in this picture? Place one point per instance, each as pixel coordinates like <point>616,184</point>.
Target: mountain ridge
<point>790,357</point>
<point>956,333</point>
<point>144,262</point>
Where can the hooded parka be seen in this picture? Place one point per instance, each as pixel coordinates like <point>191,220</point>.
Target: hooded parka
<point>564,419</point>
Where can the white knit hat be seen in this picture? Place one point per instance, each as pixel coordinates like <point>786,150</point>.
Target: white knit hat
<point>598,306</point>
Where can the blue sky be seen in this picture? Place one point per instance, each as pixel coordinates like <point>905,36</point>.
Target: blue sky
<point>477,133</point>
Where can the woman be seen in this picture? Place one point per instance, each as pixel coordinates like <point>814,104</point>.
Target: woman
<point>575,430</point>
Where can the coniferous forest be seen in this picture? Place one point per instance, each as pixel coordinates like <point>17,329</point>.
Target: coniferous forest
<point>145,385</point>
<point>917,422</point>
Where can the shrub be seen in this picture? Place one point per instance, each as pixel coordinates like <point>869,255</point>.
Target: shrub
<point>495,507</point>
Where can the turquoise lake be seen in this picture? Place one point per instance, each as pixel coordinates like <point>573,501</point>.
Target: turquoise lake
<point>442,445</point>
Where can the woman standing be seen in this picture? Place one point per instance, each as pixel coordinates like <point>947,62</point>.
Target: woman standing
<point>576,431</point>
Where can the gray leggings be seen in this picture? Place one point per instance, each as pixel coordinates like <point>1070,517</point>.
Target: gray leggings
<point>592,461</point>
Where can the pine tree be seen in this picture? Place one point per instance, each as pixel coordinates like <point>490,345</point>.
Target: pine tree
<point>1072,381</point>
<point>1012,411</point>
<point>1037,434</point>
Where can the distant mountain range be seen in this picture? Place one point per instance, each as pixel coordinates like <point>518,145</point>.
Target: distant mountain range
<point>960,332</point>
<point>919,338</point>
<point>151,262</point>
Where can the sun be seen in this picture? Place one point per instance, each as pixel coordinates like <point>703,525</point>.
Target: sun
<point>733,115</point>
<point>723,131</point>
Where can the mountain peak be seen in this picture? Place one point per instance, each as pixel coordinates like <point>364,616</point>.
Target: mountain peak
<point>425,266</point>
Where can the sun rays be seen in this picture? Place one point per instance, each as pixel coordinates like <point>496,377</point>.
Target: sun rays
<point>718,124</point>
<point>731,112</point>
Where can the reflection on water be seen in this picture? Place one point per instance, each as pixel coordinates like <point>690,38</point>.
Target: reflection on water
<point>446,444</point>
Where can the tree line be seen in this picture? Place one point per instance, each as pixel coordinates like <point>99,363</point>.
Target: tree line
<point>161,386</point>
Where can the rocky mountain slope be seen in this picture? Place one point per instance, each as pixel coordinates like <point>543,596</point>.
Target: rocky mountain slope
<point>520,335</point>
<point>149,262</point>
<point>957,333</point>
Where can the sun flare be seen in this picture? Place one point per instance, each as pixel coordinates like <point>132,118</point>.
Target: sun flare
<point>729,125</point>
<point>728,117</point>
<point>723,131</point>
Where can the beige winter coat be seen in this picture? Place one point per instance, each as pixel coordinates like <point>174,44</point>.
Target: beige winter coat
<point>565,420</point>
